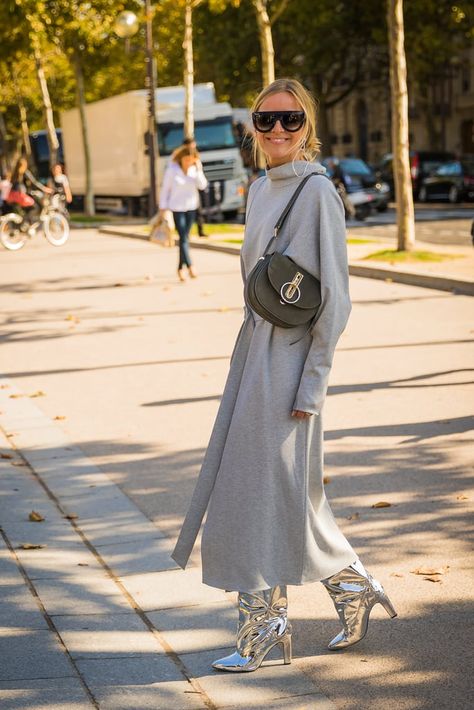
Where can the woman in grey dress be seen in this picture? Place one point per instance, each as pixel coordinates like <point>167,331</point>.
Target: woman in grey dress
<point>268,521</point>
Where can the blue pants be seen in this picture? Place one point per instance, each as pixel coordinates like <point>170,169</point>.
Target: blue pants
<point>183,222</point>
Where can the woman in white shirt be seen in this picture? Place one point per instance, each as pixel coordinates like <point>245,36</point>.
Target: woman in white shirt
<point>183,178</point>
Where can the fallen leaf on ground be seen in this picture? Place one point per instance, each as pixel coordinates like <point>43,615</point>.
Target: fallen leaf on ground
<point>12,433</point>
<point>353,516</point>
<point>327,479</point>
<point>382,504</point>
<point>430,570</point>
<point>6,456</point>
<point>35,517</point>
<point>18,463</point>
<point>71,516</point>
<point>433,578</point>
<point>462,497</point>
<point>30,546</point>
<point>118,285</point>
<point>363,660</point>
<point>39,393</point>
<point>83,564</point>
<point>59,417</point>
<point>15,396</point>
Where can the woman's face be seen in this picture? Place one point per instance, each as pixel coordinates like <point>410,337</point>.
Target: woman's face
<point>186,162</point>
<point>280,146</point>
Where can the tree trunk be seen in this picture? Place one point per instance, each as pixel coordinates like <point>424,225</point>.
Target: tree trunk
<point>53,142</point>
<point>188,72</point>
<point>266,41</point>
<point>25,131</point>
<point>89,206</point>
<point>400,147</point>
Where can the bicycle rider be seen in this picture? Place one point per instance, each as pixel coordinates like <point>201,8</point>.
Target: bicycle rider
<point>25,183</point>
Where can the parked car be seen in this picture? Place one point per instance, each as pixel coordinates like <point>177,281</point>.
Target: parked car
<point>422,164</point>
<point>452,181</point>
<point>359,177</point>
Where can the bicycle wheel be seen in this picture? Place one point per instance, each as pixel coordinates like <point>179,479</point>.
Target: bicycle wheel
<point>56,229</point>
<point>11,235</point>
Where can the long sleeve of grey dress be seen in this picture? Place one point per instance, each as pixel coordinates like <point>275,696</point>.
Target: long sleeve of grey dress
<point>261,482</point>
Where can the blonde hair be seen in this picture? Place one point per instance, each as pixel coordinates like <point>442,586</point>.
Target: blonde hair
<point>310,143</point>
<point>182,152</point>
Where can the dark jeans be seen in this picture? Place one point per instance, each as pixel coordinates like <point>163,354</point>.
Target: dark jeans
<point>183,222</point>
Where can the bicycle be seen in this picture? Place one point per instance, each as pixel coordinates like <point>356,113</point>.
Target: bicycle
<point>15,229</point>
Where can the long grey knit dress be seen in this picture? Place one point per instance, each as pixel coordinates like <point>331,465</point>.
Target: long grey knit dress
<point>268,520</point>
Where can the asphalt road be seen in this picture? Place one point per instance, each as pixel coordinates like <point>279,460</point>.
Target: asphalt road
<point>133,363</point>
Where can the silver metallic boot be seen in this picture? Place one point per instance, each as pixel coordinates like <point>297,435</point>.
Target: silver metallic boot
<point>354,592</point>
<point>263,623</point>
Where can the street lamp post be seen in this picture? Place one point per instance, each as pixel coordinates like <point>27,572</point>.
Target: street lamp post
<point>126,26</point>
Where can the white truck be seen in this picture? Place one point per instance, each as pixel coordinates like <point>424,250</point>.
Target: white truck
<point>117,138</point>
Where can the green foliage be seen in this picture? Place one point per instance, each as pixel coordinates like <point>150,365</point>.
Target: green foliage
<point>329,45</point>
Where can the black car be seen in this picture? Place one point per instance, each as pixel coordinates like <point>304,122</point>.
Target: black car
<point>452,181</point>
<point>359,177</point>
<point>422,164</point>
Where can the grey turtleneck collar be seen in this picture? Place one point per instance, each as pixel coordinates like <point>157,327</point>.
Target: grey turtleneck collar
<point>295,169</point>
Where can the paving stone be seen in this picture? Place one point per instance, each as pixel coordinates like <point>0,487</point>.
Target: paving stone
<point>124,527</point>
<point>156,696</point>
<point>49,454</point>
<point>17,598</point>
<point>84,594</point>
<point>59,532</point>
<point>57,694</point>
<point>97,504</point>
<point>60,562</point>
<point>9,572</point>
<point>175,588</point>
<point>272,681</point>
<point>27,620</point>
<point>128,671</point>
<point>31,654</point>
<point>106,635</point>
<point>15,508</point>
<point>38,439</point>
<point>198,628</point>
<point>142,555</point>
<point>299,702</point>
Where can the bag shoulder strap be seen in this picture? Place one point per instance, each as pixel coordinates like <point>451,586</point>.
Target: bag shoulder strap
<point>290,204</point>
<point>287,210</point>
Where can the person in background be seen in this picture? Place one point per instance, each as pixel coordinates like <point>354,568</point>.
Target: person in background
<point>24,182</point>
<point>5,187</point>
<point>191,142</point>
<point>183,178</point>
<point>61,183</point>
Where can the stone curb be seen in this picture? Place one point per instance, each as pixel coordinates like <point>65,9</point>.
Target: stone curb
<point>411,278</point>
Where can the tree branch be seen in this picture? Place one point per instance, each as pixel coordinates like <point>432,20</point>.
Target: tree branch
<point>279,11</point>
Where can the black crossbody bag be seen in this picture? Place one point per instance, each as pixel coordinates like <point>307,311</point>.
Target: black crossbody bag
<point>277,288</point>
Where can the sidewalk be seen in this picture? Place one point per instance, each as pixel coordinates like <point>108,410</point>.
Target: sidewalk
<point>452,274</point>
<point>93,611</point>
<point>112,375</point>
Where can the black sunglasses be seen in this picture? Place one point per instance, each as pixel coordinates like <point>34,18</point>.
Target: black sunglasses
<point>265,121</point>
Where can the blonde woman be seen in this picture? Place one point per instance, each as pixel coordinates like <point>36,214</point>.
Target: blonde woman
<point>183,178</point>
<point>269,523</point>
